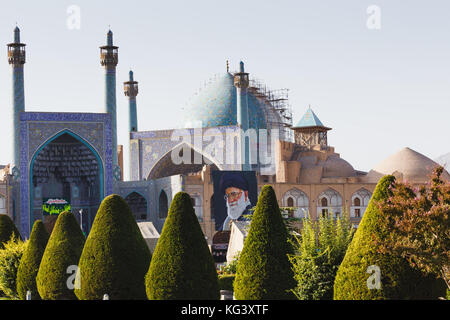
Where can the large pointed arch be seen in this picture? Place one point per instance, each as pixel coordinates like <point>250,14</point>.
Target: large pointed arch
<point>82,141</point>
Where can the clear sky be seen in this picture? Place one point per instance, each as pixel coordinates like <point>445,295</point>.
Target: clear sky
<point>379,89</point>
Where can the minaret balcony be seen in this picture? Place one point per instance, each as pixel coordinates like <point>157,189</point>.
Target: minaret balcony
<point>16,54</point>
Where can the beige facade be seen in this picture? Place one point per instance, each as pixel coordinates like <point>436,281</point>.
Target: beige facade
<point>313,179</point>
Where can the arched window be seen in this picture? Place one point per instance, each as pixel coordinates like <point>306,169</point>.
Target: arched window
<point>360,201</point>
<point>163,205</point>
<point>298,201</point>
<point>329,202</point>
<point>290,202</point>
<point>138,205</point>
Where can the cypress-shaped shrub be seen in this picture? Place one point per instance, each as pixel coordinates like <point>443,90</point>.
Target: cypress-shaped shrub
<point>264,270</point>
<point>63,250</point>
<point>31,260</point>
<point>182,266</point>
<point>7,229</point>
<point>397,279</point>
<point>115,257</point>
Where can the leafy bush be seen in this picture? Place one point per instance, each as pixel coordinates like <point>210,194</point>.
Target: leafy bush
<point>397,279</point>
<point>63,250</point>
<point>115,257</point>
<point>10,257</point>
<point>226,281</point>
<point>320,251</point>
<point>182,266</point>
<point>418,225</point>
<point>264,270</point>
<point>7,229</point>
<point>31,260</point>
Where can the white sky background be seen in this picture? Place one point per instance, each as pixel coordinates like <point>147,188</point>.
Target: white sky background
<point>380,90</point>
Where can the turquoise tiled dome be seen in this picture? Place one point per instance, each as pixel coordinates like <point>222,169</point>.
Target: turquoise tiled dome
<point>215,105</point>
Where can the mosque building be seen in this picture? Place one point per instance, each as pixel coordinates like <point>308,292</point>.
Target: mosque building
<point>75,156</point>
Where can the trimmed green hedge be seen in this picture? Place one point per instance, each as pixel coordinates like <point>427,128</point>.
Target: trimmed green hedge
<point>264,270</point>
<point>115,257</point>
<point>398,279</point>
<point>31,260</point>
<point>7,229</point>
<point>182,266</point>
<point>63,250</point>
<point>226,281</point>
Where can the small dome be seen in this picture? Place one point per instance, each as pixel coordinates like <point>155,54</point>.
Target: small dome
<point>335,167</point>
<point>215,105</point>
<point>412,166</point>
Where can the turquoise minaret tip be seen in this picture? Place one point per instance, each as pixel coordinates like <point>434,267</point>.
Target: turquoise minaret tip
<point>131,75</point>
<point>241,67</point>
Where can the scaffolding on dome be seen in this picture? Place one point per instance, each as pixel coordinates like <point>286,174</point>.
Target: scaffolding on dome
<point>279,112</point>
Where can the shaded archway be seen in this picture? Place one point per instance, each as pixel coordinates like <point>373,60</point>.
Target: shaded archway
<point>138,205</point>
<point>66,167</point>
<point>163,205</point>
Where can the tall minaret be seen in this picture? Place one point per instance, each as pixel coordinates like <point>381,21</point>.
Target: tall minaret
<point>241,83</point>
<point>16,58</point>
<point>131,90</point>
<point>109,58</point>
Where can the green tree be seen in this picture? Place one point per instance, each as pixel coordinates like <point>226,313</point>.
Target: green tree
<point>418,225</point>
<point>10,257</point>
<point>319,252</point>
<point>182,266</point>
<point>365,273</point>
<point>264,270</point>
<point>31,260</point>
<point>7,229</point>
<point>115,257</point>
<point>63,250</point>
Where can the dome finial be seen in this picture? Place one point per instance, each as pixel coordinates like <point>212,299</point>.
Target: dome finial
<point>228,67</point>
<point>241,67</point>
<point>16,34</point>
<point>109,38</point>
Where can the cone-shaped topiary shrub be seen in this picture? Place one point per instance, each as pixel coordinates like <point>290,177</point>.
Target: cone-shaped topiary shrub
<point>7,229</point>
<point>182,266</point>
<point>63,250</point>
<point>31,260</point>
<point>264,270</point>
<point>356,278</point>
<point>115,257</point>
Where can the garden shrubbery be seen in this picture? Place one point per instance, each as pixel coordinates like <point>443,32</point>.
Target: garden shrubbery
<point>63,250</point>
<point>264,270</point>
<point>31,260</point>
<point>398,280</point>
<point>7,229</point>
<point>10,256</point>
<point>319,252</point>
<point>115,257</point>
<point>182,266</point>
